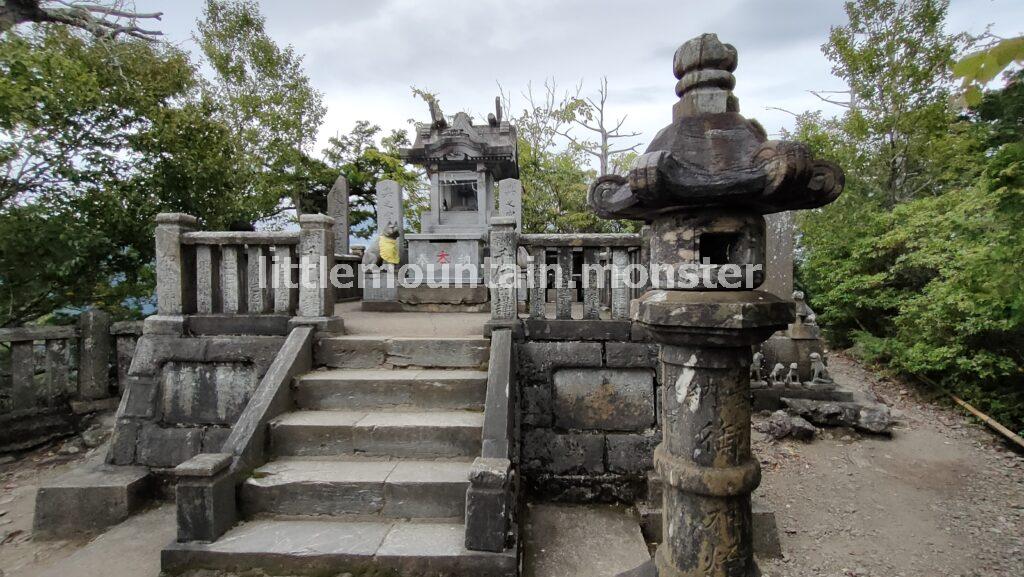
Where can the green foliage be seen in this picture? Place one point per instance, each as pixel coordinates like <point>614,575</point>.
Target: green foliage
<point>977,69</point>
<point>365,158</point>
<point>919,262</point>
<point>263,95</point>
<point>96,137</point>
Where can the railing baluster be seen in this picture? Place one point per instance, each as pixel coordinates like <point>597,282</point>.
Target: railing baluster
<point>256,279</point>
<point>207,279</point>
<point>591,292</point>
<point>23,389</point>
<point>232,279</point>
<point>283,275</point>
<point>620,292</point>
<point>563,294</point>
<point>57,361</point>
<point>538,290</point>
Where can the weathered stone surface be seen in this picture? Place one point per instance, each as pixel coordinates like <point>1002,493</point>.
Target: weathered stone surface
<point>604,399</point>
<point>781,425</point>
<point>206,393</point>
<point>537,359</point>
<point>449,295</point>
<point>24,429</point>
<point>869,417</point>
<point>214,439</point>
<point>441,353</point>
<point>576,330</point>
<point>255,324</point>
<point>124,440</point>
<point>770,398</point>
<point>203,465</point>
<point>563,540</point>
<point>352,352</point>
<point>631,454</point>
<point>536,405</point>
<point>488,512</point>
<point>546,451</point>
<point>90,498</point>
<point>94,355</point>
<point>205,506</point>
<point>337,208</point>
<point>629,354</point>
<point>499,432</point>
<point>167,447</point>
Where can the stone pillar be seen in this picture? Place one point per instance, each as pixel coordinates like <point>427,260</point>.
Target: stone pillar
<point>510,200</point>
<point>391,211</point>
<point>503,274</point>
<point>779,260</point>
<point>175,281</point>
<point>94,355</point>
<point>316,259</point>
<point>483,210</point>
<point>337,208</point>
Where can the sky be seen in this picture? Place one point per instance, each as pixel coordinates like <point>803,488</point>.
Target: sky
<point>364,55</point>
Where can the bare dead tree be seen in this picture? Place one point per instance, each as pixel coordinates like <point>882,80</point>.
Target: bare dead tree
<point>107,19</point>
<point>850,103</point>
<point>591,115</point>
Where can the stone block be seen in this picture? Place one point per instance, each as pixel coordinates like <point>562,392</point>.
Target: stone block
<point>123,443</point>
<point>214,439</point>
<point>548,452</point>
<point>206,507</point>
<point>629,354</point>
<point>167,447</point>
<point>443,353</point>
<point>576,330</point>
<point>604,399</point>
<point>631,454</point>
<point>487,505</point>
<point>352,352</point>
<point>88,499</point>
<point>537,359</point>
<point>536,405</point>
<point>206,393</point>
<point>139,399</point>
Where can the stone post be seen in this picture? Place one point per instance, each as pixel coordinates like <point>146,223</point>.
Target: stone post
<point>337,208</point>
<point>503,274</point>
<point>390,211</point>
<point>94,355</point>
<point>316,259</point>
<point>779,254</point>
<point>704,185</point>
<point>510,200</point>
<point>175,278</point>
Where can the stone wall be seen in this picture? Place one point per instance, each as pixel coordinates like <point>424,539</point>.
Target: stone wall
<point>589,394</point>
<point>183,395</point>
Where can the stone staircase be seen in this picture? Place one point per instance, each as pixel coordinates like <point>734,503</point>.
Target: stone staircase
<point>369,473</point>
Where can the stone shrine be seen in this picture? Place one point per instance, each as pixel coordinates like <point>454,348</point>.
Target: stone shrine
<point>464,162</point>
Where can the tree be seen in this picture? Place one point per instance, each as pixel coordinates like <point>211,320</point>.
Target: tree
<point>110,19</point>
<point>590,115</point>
<point>97,135</point>
<point>365,158</point>
<point>982,66</point>
<point>896,57</point>
<point>554,171</point>
<point>262,93</point>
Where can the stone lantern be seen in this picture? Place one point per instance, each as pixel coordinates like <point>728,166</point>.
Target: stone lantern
<point>704,185</point>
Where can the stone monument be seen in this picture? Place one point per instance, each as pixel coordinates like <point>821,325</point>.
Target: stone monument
<point>467,164</point>
<point>704,184</point>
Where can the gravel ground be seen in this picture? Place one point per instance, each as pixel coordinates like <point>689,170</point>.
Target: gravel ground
<point>942,497</point>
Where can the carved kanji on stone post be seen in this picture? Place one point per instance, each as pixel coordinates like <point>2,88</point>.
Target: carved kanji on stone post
<point>703,185</point>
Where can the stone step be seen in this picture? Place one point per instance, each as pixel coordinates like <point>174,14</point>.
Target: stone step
<point>409,489</point>
<point>421,435</point>
<point>370,352</point>
<point>423,389</point>
<point>330,547</point>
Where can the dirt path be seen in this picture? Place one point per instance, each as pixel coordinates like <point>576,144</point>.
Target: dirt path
<point>943,497</point>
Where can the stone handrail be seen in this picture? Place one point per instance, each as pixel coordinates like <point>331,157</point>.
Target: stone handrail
<point>92,334</point>
<point>489,498</point>
<point>248,273</point>
<point>205,493</point>
<point>604,288</point>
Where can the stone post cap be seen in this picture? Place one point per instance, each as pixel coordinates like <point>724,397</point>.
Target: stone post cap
<point>310,220</point>
<point>382,184</point>
<point>704,51</point>
<point>489,472</point>
<point>503,221</point>
<point>204,465</point>
<point>178,218</point>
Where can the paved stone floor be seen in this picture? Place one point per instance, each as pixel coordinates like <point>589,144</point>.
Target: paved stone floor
<point>581,541</point>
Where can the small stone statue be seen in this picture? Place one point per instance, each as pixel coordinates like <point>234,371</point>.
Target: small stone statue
<point>819,370</point>
<point>776,376</point>
<point>804,314</point>
<point>755,366</point>
<point>793,377</point>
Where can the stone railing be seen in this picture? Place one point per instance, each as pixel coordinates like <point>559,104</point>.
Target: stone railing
<point>605,259</point>
<point>243,282</point>
<point>491,496</point>
<point>55,372</point>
